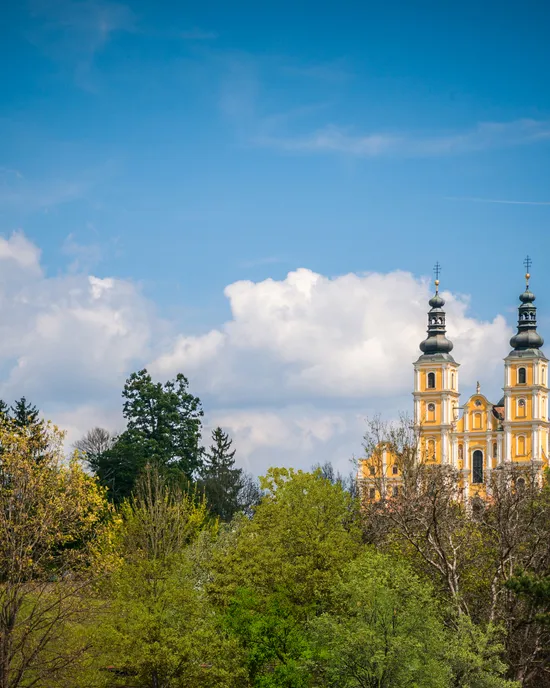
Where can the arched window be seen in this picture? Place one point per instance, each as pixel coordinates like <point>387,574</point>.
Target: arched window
<point>372,470</point>
<point>477,467</point>
<point>520,483</point>
<point>521,445</point>
<point>521,407</point>
<point>395,491</point>
<point>430,448</point>
<point>372,493</point>
<point>431,412</point>
<point>522,376</point>
<point>495,450</point>
<point>394,470</point>
<point>460,452</point>
<point>452,380</point>
<point>431,380</point>
<point>477,421</point>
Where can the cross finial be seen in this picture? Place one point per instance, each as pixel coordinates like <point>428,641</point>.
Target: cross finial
<point>527,262</point>
<point>437,272</point>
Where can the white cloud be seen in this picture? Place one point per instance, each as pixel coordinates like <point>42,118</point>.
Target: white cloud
<point>292,375</point>
<point>309,337</point>
<point>68,338</point>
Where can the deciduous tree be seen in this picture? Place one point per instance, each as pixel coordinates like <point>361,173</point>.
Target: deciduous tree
<point>53,521</point>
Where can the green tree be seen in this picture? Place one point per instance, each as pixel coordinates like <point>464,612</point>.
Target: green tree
<point>474,654</point>
<point>163,428</point>
<point>384,630</point>
<point>24,414</point>
<point>302,534</point>
<point>24,417</point>
<point>54,530</point>
<point>228,489</point>
<point>159,631</point>
<point>273,572</point>
<point>274,640</point>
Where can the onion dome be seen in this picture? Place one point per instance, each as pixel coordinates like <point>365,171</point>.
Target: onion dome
<point>436,341</point>
<point>527,336</point>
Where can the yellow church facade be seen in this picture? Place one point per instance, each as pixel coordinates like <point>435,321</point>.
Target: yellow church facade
<point>479,436</point>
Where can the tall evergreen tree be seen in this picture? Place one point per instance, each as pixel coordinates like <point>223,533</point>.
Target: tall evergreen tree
<point>163,429</point>
<point>24,414</point>
<point>25,418</point>
<point>222,482</point>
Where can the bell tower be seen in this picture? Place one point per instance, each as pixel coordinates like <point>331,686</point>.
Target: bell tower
<point>435,385</point>
<point>526,426</point>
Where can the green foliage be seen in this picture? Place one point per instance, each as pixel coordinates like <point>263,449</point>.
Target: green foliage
<point>535,589</point>
<point>163,428</point>
<point>275,642</point>
<point>474,655</point>
<point>55,534</point>
<point>302,534</point>
<point>384,632</point>
<point>24,414</point>
<point>159,630</point>
<point>227,489</point>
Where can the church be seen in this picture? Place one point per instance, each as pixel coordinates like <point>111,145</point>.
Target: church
<point>479,436</point>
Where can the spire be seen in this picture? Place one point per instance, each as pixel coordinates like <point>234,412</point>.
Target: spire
<point>436,342</point>
<point>527,336</point>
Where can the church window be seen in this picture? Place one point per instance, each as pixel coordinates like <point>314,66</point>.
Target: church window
<point>477,421</point>
<point>395,491</point>
<point>460,452</point>
<point>495,450</point>
<point>522,376</point>
<point>431,380</point>
<point>431,450</point>
<point>521,445</point>
<point>477,467</point>
<point>452,380</point>
<point>394,470</point>
<point>521,407</point>
<point>431,412</point>
<point>544,376</point>
<point>372,493</point>
<point>520,483</point>
<point>372,470</point>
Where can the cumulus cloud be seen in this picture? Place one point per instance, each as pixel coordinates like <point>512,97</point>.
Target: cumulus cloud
<point>311,337</point>
<point>66,339</point>
<point>292,374</point>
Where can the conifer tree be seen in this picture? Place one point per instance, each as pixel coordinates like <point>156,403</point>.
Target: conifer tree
<point>222,482</point>
<point>24,414</point>
<point>163,429</point>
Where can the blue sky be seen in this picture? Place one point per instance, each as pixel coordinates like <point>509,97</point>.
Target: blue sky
<point>184,147</point>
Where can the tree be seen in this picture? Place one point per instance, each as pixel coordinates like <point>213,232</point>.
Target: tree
<point>385,630</point>
<point>302,534</point>
<point>163,428</point>
<point>468,549</point>
<point>24,414</point>
<point>25,418</point>
<point>273,572</point>
<point>54,525</point>
<point>93,446</point>
<point>159,631</point>
<point>227,489</point>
